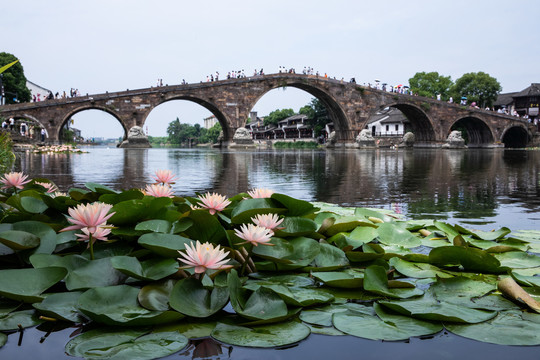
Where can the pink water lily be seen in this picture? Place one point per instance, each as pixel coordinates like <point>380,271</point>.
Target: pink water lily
<point>269,221</point>
<point>88,216</point>
<point>159,190</point>
<point>14,179</point>
<point>256,235</point>
<point>100,233</point>
<point>50,187</point>
<point>164,177</point>
<point>260,193</point>
<point>204,256</point>
<point>213,202</point>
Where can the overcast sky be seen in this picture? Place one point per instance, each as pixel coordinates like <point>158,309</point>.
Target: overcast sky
<point>112,45</point>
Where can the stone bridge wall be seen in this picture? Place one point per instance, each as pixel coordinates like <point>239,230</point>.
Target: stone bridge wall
<point>349,107</point>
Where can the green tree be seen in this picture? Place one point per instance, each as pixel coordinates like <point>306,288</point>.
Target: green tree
<point>14,80</point>
<point>210,135</point>
<point>478,87</point>
<point>431,84</point>
<point>277,115</point>
<point>316,111</point>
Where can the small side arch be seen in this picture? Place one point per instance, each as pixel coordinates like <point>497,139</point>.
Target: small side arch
<point>475,132</point>
<point>515,136</point>
<point>70,114</point>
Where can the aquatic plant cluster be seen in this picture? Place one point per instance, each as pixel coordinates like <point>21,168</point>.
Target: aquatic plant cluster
<point>260,269</point>
<point>56,149</point>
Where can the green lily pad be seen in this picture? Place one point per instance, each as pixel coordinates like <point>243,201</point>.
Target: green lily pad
<point>248,208</point>
<point>61,306</point>
<point>296,226</point>
<point>205,227</point>
<point>152,269</point>
<point>155,296</point>
<point>128,212</point>
<point>394,234</point>
<point>118,305</point>
<point>162,226</point>
<point>298,296</point>
<point>125,344</point>
<point>384,326</point>
<point>190,328</point>
<point>508,328</point>
<point>166,245</point>
<point>428,308</point>
<point>470,258</point>
<point>24,318</point>
<point>348,279</point>
<point>28,284</point>
<point>262,304</point>
<point>485,235</point>
<point>323,316</point>
<point>19,240</point>
<point>417,270</point>
<point>265,336</point>
<point>191,298</point>
<point>3,339</point>
<point>376,281</point>
<point>518,259</point>
<point>346,224</point>
<point>294,206</point>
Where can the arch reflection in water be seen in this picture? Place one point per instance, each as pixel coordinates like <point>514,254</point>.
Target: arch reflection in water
<point>466,184</point>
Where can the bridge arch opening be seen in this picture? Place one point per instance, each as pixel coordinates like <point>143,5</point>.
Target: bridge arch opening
<point>33,127</point>
<point>515,137</point>
<point>299,96</point>
<point>414,120</point>
<point>91,125</point>
<point>196,119</point>
<point>474,131</point>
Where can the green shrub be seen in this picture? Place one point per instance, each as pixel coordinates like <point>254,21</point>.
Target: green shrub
<point>295,145</point>
<point>6,152</point>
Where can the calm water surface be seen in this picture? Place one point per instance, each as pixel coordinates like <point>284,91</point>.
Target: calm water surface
<point>483,189</point>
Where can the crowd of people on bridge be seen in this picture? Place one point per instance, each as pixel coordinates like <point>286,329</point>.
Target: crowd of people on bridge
<point>24,129</point>
<point>72,93</point>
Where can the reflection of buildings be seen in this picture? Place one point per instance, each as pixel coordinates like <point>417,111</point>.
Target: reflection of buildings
<point>524,102</point>
<point>388,122</point>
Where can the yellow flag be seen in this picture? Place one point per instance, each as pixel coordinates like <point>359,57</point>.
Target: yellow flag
<point>5,67</point>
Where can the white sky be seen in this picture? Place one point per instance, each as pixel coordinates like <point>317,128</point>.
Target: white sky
<point>112,45</point>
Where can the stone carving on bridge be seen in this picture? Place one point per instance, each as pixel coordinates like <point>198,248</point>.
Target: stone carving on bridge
<point>408,140</point>
<point>332,140</point>
<point>365,139</point>
<point>242,136</point>
<point>136,139</point>
<point>454,141</point>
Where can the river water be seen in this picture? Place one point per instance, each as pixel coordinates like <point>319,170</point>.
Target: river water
<point>483,189</point>
<point>480,188</point>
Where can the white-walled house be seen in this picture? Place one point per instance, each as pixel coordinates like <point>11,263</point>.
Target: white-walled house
<point>388,122</point>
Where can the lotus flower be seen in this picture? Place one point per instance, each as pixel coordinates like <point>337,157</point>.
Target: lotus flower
<point>269,221</point>
<point>159,190</point>
<point>254,234</point>
<point>214,202</point>
<point>100,233</point>
<point>164,177</point>
<point>89,216</point>
<point>204,256</point>
<point>260,193</point>
<point>14,179</point>
<point>50,187</point>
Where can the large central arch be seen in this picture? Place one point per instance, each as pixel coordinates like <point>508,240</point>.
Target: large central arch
<point>335,111</point>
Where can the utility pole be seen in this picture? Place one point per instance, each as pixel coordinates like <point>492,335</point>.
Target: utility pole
<point>1,89</point>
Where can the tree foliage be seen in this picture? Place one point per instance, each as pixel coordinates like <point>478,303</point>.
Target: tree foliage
<point>180,133</point>
<point>430,84</point>
<point>14,80</point>
<point>316,111</point>
<point>277,115</point>
<point>478,87</point>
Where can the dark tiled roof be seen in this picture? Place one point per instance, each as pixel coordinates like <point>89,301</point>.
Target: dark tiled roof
<point>391,115</point>
<point>504,99</point>
<point>533,90</point>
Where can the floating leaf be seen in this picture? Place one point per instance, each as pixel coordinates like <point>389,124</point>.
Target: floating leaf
<point>28,284</point>
<point>470,258</point>
<point>191,298</point>
<point>518,259</point>
<point>417,270</point>
<point>155,296</point>
<point>162,226</point>
<point>19,240</point>
<point>385,326</point>
<point>152,269</point>
<point>395,234</point>
<point>294,206</point>
<point>265,336</point>
<point>296,226</point>
<point>348,279</point>
<point>118,305</point>
<point>119,344</point>
<point>16,319</point>
<point>166,245</point>
<point>248,208</point>
<point>376,281</point>
<point>508,328</point>
<point>62,306</point>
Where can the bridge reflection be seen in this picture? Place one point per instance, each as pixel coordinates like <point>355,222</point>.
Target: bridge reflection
<point>469,183</point>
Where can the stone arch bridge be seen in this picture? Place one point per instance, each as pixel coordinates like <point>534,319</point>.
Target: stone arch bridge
<point>231,101</point>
